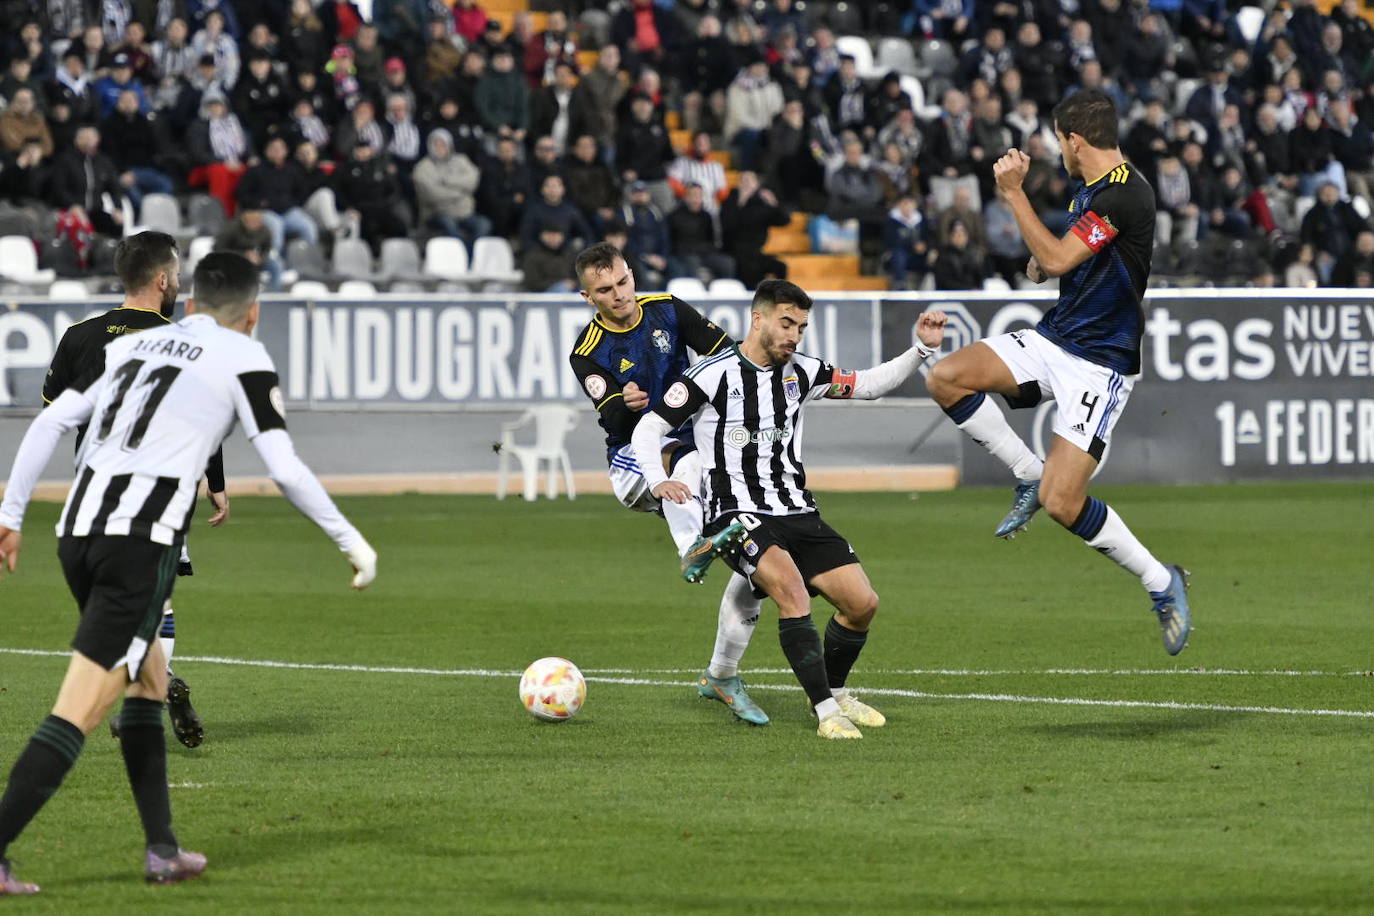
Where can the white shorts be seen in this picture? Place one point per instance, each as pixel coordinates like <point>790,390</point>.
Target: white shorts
<point>1091,397</point>
<point>627,480</point>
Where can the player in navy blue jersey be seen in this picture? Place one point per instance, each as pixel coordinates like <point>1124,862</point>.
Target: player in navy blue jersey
<point>1085,352</point>
<point>631,350</point>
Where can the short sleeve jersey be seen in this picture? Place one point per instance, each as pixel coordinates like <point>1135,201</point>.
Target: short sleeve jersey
<point>1099,315</point>
<point>81,351</point>
<point>166,400</point>
<point>747,423</point>
<point>652,354</point>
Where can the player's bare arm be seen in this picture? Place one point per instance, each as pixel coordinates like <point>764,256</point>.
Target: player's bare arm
<point>1052,256</point>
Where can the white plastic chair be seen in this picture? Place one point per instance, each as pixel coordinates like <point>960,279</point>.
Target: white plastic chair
<point>19,261</point>
<point>357,289</point>
<point>69,290</point>
<point>446,258</point>
<point>727,286</point>
<point>309,289</point>
<point>552,423</point>
<point>200,246</point>
<point>896,54</point>
<point>857,47</point>
<point>160,212</point>
<point>1250,21</point>
<point>688,288</point>
<point>493,259</point>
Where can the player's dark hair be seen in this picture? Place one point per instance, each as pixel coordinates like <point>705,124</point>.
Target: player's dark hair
<point>1091,114</point>
<point>598,257</point>
<point>139,257</point>
<point>225,283</point>
<point>770,293</point>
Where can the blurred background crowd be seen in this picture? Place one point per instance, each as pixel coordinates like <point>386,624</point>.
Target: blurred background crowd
<point>697,134</point>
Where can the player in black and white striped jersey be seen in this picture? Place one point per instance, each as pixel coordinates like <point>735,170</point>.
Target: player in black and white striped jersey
<point>166,399</point>
<point>746,407</point>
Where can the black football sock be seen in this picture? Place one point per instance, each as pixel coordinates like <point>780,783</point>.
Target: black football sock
<point>802,646</point>
<point>842,648</point>
<point>37,774</point>
<point>145,760</point>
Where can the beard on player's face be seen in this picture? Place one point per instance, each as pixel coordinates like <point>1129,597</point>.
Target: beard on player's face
<point>169,299</point>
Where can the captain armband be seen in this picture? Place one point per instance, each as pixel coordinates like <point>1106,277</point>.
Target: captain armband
<point>842,383</point>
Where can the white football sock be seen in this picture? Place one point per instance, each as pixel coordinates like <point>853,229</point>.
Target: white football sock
<point>685,520</point>
<point>828,707</point>
<point>1115,540</point>
<point>739,614</point>
<point>990,429</point>
<point>169,643</point>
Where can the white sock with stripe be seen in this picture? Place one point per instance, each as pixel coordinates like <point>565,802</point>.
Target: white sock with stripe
<point>739,614</point>
<point>986,425</point>
<point>685,520</point>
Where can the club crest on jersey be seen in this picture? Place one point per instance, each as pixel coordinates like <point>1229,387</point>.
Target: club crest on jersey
<point>791,388</point>
<point>596,386</point>
<point>278,403</point>
<point>626,365</point>
<point>660,339</point>
<point>676,396</point>
<point>751,548</point>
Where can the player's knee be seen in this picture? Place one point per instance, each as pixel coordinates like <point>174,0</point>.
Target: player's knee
<point>943,384</point>
<point>859,613</point>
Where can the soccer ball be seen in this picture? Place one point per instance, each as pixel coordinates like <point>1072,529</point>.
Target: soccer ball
<point>553,689</point>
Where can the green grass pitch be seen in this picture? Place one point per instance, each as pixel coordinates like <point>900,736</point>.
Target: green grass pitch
<point>1201,784</point>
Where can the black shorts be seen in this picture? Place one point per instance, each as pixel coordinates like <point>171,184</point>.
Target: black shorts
<point>815,547</point>
<point>120,585</point>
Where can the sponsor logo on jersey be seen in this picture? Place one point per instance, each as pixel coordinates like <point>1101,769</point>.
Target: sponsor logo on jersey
<point>734,393</point>
<point>660,339</point>
<point>596,386</point>
<point>791,388</point>
<point>278,402</point>
<point>676,396</point>
<point>626,365</point>
<point>739,437</point>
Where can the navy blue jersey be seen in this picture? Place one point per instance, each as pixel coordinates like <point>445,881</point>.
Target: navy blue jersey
<point>1099,315</point>
<point>652,354</point>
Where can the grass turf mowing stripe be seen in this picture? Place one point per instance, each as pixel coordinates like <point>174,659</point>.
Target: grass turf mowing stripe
<point>875,691</point>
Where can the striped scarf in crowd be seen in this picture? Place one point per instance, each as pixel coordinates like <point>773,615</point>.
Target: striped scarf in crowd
<point>405,140</point>
<point>226,138</point>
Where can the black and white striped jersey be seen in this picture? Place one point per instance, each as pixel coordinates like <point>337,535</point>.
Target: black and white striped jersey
<point>165,402</point>
<point>748,428</point>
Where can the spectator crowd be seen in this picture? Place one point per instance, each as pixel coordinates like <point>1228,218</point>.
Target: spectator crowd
<point>309,120</point>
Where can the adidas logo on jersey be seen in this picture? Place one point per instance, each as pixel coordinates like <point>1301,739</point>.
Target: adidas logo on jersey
<point>1078,428</point>
<point>734,393</point>
<point>626,365</point>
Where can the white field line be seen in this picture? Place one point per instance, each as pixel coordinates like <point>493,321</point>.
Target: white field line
<point>873,691</point>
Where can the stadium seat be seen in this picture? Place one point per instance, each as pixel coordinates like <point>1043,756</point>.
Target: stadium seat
<point>19,261</point>
<point>357,289</point>
<point>309,289</point>
<point>446,258</point>
<point>688,288</point>
<point>200,246</point>
<point>205,214</point>
<point>996,285</point>
<point>494,261</point>
<point>857,47</point>
<point>353,259</point>
<point>1250,21</point>
<point>916,90</point>
<point>896,54</point>
<point>400,259</point>
<point>939,58</point>
<point>305,259</point>
<point>160,212</point>
<point>727,286</point>
<point>552,423</point>
<point>70,290</point>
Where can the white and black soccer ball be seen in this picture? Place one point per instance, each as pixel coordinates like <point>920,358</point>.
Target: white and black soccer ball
<point>552,689</point>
